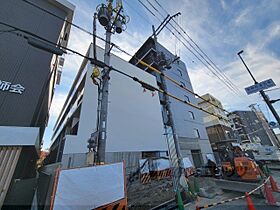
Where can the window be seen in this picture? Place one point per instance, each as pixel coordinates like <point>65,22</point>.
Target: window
<point>183,84</point>
<point>196,133</point>
<point>191,115</point>
<point>180,72</point>
<point>187,98</point>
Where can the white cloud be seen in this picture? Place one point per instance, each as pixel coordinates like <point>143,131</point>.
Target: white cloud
<point>267,35</point>
<point>243,17</point>
<point>262,65</point>
<point>223,3</point>
<point>57,103</point>
<point>130,42</point>
<point>218,40</point>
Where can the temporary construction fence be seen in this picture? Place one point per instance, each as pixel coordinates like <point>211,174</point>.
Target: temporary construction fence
<point>270,199</point>
<point>144,171</point>
<point>159,168</point>
<point>95,187</point>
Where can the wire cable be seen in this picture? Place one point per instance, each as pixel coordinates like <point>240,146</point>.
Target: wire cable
<point>211,61</point>
<point>203,62</point>
<point>101,64</point>
<point>113,45</point>
<point>216,73</point>
<point>153,88</point>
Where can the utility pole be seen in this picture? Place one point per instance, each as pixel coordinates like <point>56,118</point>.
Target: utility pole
<point>178,172</point>
<point>265,97</point>
<point>113,20</point>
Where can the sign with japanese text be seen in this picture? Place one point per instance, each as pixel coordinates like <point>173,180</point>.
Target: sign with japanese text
<point>260,86</point>
<point>12,88</point>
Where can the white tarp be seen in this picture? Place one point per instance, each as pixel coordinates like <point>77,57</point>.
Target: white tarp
<point>144,166</point>
<point>187,162</point>
<point>160,164</point>
<point>89,187</point>
<point>211,157</point>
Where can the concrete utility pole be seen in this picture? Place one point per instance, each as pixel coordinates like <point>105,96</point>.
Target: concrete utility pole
<point>112,23</point>
<point>265,97</point>
<point>178,172</point>
<point>102,127</point>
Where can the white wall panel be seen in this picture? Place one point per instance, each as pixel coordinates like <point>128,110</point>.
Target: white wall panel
<point>134,117</point>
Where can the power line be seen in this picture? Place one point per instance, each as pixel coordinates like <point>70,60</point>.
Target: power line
<point>216,73</point>
<point>101,64</point>
<point>193,53</point>
<point>114,45</point>
<point>85,30</point>
<point>211,61</point>
<point>147,20</point>
<point>6,31</point>
<point>153,88</point>
<point>178,84</point>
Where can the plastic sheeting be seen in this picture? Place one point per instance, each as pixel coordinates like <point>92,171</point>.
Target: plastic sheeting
<point>144,166</point>
<point>187,162</point>
<point>210,157</point>
<point>160,164</point>
<point>90,187</point>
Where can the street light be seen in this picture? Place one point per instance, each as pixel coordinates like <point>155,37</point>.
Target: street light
<point>265,97</point>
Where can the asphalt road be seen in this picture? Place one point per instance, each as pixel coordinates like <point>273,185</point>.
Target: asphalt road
<point>259,202</point>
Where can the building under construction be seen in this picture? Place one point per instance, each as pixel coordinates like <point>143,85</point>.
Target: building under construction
<point>188,122</point>
<point>134,120</point>
<point>130,137</point>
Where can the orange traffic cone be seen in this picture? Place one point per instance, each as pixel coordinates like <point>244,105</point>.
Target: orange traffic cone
<point>270,199</point>
<point>273,184</point>
<point>250,203</point>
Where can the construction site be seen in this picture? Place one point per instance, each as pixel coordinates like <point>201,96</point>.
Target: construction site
<point>90,120</point>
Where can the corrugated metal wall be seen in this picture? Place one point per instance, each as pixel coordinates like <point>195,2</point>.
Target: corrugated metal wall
<point>8,160</point>
<point>131,159</point>
<point>79,160</point>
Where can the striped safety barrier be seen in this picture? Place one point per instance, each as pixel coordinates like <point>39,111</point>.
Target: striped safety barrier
<point>145,178</point>
<point>232,199</point>
<point>189,172</point>
<point>162,174</point>
<point>118,205</point>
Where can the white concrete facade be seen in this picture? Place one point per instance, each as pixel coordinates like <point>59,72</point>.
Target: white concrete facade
<point>135,123</point>
<point>134,116</point>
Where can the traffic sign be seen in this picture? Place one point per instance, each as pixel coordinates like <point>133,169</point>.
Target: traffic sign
<point>272,124</point>
<point>260,86</point>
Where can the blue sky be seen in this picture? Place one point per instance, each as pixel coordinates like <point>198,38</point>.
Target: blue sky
<point>221,28</point>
